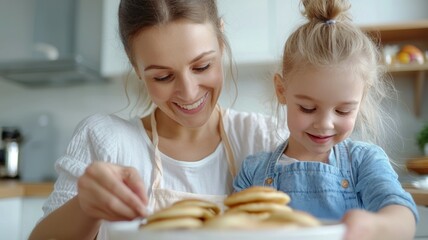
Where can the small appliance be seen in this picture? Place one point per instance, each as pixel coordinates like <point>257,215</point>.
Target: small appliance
<point>9,152</point>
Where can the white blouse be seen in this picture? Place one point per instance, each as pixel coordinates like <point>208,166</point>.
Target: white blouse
<point>112,139</point>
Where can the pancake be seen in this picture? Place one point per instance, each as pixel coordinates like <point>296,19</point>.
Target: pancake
<point>257,194</point>
<point>198,203</point>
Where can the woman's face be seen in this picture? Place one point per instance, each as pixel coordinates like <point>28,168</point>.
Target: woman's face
<point>181,64</point>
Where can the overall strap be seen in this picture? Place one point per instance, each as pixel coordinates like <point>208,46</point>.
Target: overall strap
<point>270,167</point>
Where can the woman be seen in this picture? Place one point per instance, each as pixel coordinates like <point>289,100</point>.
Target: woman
<point>187,146</point>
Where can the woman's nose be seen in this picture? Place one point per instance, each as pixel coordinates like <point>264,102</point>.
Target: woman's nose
<point>187,86</point>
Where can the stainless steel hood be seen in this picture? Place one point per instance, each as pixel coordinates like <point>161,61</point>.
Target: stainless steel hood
<point>42,73</point>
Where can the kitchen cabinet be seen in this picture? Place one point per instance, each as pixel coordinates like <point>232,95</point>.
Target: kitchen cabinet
<point>10,218</point>
<point>19,216</point>
<point>415,33</point>
<point>421,227</point>
<point>98,45</point>
<point>21,207</point>
<point>31,212</point>
<point>256,30</point>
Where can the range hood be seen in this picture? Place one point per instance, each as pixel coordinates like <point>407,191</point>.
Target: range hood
<point>42,73</point>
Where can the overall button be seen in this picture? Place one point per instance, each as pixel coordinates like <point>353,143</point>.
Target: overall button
<point>269,181</point>
<point>345,183</point>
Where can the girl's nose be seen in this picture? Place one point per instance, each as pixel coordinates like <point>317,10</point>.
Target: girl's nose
<point>324,121</point>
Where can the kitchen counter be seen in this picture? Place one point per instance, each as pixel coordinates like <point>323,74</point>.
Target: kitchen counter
<point>15,188</point>
<point>419,195</point>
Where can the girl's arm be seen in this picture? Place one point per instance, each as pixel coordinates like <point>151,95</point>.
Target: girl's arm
<point>391,222</point>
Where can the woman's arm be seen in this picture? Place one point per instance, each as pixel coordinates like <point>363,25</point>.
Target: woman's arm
<point>105,191</point>
<point>391,222</point>
<point>67,222</point>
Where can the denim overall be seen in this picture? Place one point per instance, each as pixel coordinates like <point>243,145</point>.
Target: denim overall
<point>324,190</point>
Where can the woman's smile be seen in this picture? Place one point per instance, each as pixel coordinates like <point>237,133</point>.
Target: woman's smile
<point>194,107</point>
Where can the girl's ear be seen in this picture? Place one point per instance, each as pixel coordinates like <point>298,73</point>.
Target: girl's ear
<point>279,88</point>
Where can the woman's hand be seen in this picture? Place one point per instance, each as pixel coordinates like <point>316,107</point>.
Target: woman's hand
<point>112,192</point>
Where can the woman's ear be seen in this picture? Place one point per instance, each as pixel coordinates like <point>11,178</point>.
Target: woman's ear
<point>137,72</point>
<point>222,25</point>
<point>279,88</point>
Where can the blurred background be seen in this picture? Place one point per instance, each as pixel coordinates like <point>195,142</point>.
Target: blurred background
<point>61,60</point>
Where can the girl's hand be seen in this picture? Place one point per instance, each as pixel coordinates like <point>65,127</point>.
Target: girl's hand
<point>361,225</point>
<point>112,192</point>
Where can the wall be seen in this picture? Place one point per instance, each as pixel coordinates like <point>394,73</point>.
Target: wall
<point>256,30</point>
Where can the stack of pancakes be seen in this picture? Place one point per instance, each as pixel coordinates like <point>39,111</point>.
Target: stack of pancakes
<point>184,214</point>
<point>260,207</point>
<point>258,201</point>
<point>253,208</point>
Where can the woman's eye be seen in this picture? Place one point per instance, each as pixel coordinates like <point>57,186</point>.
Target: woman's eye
<point>307,110</point>
<point>163,78</point>
<point>203,68</point>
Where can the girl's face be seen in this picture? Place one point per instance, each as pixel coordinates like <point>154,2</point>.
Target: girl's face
<point>181,64</point>
<point>322,106</point>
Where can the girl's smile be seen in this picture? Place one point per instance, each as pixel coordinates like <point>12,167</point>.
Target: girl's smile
<point>320,139</point>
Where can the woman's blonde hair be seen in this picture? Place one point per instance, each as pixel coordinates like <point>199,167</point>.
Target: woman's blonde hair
<point>137,15</point>
<point>330,38</point>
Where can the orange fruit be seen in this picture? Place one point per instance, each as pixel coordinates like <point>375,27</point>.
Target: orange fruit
<point>411,49</point>
<point>403,57</point>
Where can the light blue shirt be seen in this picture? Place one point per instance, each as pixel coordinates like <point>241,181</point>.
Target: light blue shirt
<point>358,175</point>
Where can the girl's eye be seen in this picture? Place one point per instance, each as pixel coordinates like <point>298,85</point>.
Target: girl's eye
<point>307,110</point>
<point>203,68</point>
<point>343,113</point>
<point>163,78</point>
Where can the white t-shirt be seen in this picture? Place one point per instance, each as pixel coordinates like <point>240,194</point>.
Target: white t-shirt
<point>112,139</point>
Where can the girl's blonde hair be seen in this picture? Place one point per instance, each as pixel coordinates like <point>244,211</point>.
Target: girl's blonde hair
<point>330,38</point>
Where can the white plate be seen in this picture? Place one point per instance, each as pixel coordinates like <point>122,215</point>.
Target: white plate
<point>129,231</point>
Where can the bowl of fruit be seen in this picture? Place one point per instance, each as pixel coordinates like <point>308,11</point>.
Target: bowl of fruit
<point>410,54</point>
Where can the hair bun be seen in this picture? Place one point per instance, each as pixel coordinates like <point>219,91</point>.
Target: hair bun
<point>326,10</point>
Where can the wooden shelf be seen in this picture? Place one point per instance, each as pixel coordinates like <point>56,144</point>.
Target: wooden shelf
<point>405,33</point>
<point>399,32</point>
<point>411,67</point>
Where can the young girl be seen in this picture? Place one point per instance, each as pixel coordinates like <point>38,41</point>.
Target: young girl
<point>330,84</point>
<point>184,147</point>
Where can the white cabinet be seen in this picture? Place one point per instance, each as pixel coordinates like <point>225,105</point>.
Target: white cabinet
<point>421,228</point>
<point>30,214</point>
<point>18,216</point>
<point>10,218</point>
<point>98,43</point>
<point>257,30</point>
